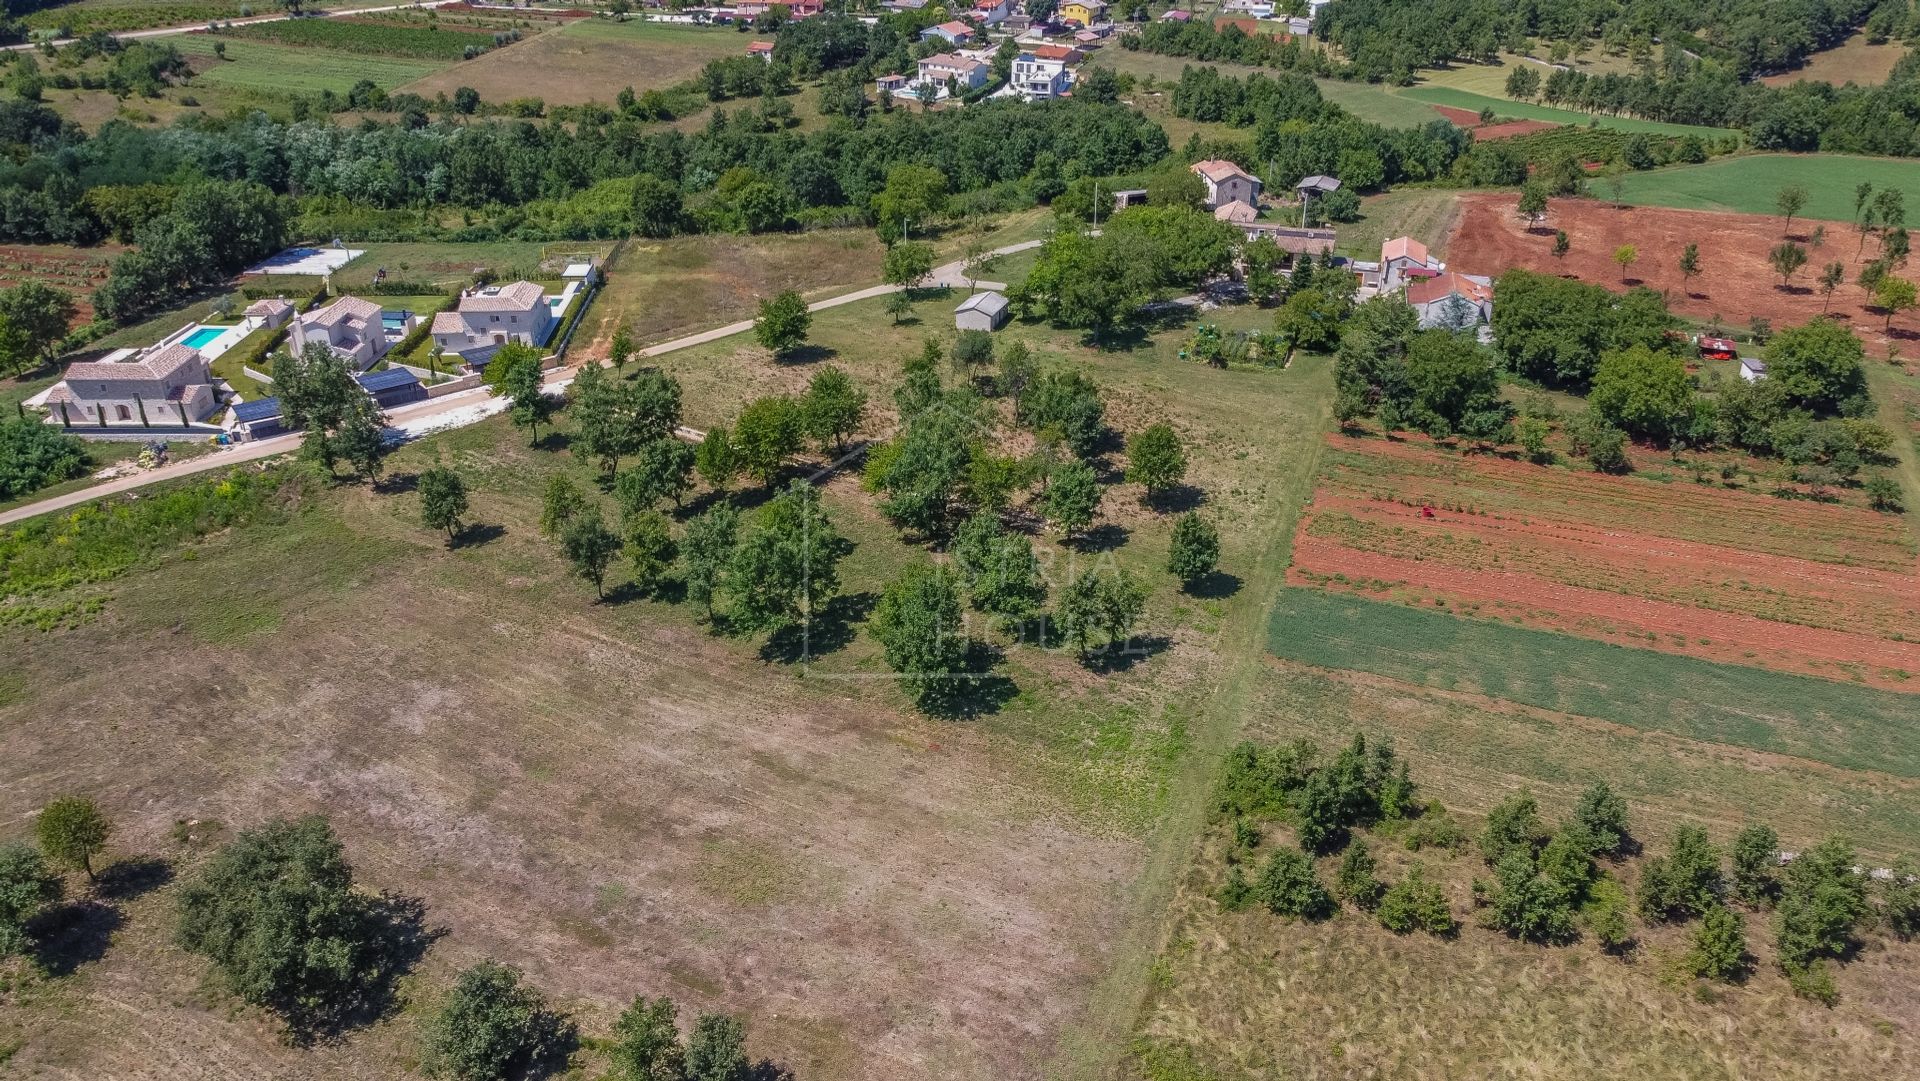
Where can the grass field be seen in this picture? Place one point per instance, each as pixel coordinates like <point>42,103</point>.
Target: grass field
<point>1425,214</point>
<point>589,60</point>
<point>1368,101</point>
<point>366,36</point>
<point>1461,99</point>
<point>449,263</point>
<point>1853,61</point>
<point>113,16</point>
<point>268,67</point>
<point>1747,184</point>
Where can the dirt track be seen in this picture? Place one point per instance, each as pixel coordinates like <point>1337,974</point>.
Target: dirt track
<point>1736,284</point>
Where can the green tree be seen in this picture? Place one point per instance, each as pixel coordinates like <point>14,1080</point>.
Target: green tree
<point>558,504</point>
<point>656,206</point>
<point>913,197</point>
<point>599,434</point>
<point>526,390</point>
<point>1532,433</point>
<point>1357,882</point>
<point>707,550</point>
<point>650,548</point>
<point>1820,903</point>
<point>1533,202</point>
<point>72,831</point>
<point>1894,296</point>
<point>1818,364</point>
<point>1528,905</point>
<point>767,432</point>
<point>1900,899</point>
<point>1513,825</point>
<point>26,886</point>
<point>1689,267</point>
<point>1606,448</point>
<point>1643,392</point>
<point>277,913</point>
<point>317,393</point>
<point>908,264</point>
<point>716,458</point>
<point>1072,497</point>
<point>1156,460</point>
<point>998,568</point>
<point>36,317</point>
<point>663,469</point>
<point>1625,256</point>
<point>1602,815</point>
<point>972,349</point>
<point>1884,494</point>
<point>34,455</point>
<point>590,547</point>
<point>1719,946</point>
<point>1832,277</point>
<point>1310,320</point>
<point>1416,903</point>
<point>833,407</point>
<point>1063,403</point>
<point>1195,553</point>
<point>717,1049</point>
<point>492,1026</point>
<point>443,500</point>
<point>1288,886</point>
<point>783,323</point>
<point>1523,82</point>
<point>621,349</point>
<point>898,306</point>
<point>922,636</point>
<point>1790,201</point>
<point>1562,243</point>
<point>786,568</point>
<point>1756,865</point>
<point>1454,385</point>
<point>1684,883</point>
<point>646,1042</point>
<point>1786,258</point>
<point>1099,609</point>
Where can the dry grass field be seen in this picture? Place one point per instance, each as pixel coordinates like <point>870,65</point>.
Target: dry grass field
<point>588,60</point>
<point>1854,61</point>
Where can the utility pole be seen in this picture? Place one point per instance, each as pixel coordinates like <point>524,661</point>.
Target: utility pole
<point>1096,204</point>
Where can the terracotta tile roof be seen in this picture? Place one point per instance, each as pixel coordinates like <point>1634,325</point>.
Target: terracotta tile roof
<point>754,47</point>
<point>1218,170</point>
<point>1403,247</point>
<point>519,297</point>
<point>1236,212</point>
<point>1429,290</point>
<point>156,366</point>
<point>269,306</point>
<point>342,310</point>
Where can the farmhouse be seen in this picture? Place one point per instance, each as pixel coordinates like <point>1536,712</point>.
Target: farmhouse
<point>167,385</point>
<point>761,49</point>
<point>1296,241</point>
<point>1226,183</point>
<point>981,311</point>
<point>1403,259</point>
<point>349,326</point>
<point>1451,301</point>
<point>953,33</point>
<point>490,317</point>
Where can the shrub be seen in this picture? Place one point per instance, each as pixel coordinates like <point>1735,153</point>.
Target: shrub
<point>34,455</point>
<point>1289,887</point>
<point>491,1027</point>
<point>1719,946</point>
<point>1684,883</point>
<point>1416,904</point>
<point>1356,883</point>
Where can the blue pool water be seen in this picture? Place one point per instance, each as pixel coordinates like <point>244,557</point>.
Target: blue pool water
<point>199,338</point>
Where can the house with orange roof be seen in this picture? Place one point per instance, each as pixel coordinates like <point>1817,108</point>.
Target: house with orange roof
<point>1227,183</point>
<point>168,386</point>
<point>1403,259</point>
<point>1452,301</point>
<point>953,33</point>
<point>992,12</point>
<point>761,49</point>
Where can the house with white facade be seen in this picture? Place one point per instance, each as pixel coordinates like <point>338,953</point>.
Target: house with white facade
<point>1227,183</point>
<point>167,386</point>
<point>1404,259</point>
<point>966,73</point>
<point>1036,79</point>
<point>351,327</point>
<point>490,316</point>
<point>953,33</point>
<point>992,12</point>
<point>272,312</point>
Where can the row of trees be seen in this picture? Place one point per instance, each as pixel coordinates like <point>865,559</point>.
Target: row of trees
<point>287,929</point>
<point>1548,885</point>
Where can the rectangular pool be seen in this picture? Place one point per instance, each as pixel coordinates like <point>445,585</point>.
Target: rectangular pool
<point>200,338</point>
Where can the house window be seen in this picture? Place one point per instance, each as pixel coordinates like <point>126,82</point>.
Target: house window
<point>121,412</point>
<point>495,318</point>
<point>513,319</point>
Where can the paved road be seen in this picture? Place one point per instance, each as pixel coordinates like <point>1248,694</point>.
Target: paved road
<point>455,410</point>
<point>166,31</point>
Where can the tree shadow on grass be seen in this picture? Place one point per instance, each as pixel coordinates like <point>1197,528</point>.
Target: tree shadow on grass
<point>127,879</point>
<point>478,535</point>
<point>555,440</point>
<point>1103,538</point>
<point>402,937</point>
<point>810,353</point>
<point>1215,587</point>
<point>832,630</point>
<point>1178,499</point>
<point>1122,656</point>
<point>397,483</point>
<point>68,936</point>
<point>980,692</point>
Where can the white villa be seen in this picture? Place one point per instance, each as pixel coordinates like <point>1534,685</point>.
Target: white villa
<point>167,385</point>
<point>1035,79</point>
<point>966,73</point>
<point>491,316</point>
<point>351,327</point>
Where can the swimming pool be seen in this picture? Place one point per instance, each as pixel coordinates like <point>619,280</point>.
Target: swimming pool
<point>199,338</point>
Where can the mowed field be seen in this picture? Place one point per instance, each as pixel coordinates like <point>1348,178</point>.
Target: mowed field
<point>660,289</point>
<point>589,60</point>
<point>1736,284</point>
<point>1749,183</point>
<point>271,67</point>
<point>1853,61</point>
<point>1463,99</point>
<point>1735,575</point>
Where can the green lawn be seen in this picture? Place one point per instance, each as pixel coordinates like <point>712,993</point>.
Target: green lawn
<point>1423,213</point>
<point>446,263</point>
<point>1820,720</point>
<point>1461,99</point>
<point>1377,104</point>
<point>267,67</point>
<point>1748,184</point>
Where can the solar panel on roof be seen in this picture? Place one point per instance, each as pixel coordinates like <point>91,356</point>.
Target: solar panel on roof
<point>257,409</point>
<point>375,382</point>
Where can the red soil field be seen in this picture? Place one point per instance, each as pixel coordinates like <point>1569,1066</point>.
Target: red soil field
<point>78,271</point>
<point>1702,571</point>
<point>1736,284</point>
<point>1467,118</point>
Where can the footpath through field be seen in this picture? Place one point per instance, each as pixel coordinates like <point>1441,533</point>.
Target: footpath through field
<point>455,410</point>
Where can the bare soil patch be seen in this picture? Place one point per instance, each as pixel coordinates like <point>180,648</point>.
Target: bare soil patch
<point>1467,118</point>
<point>1736,283</point>
<point>78,271</point>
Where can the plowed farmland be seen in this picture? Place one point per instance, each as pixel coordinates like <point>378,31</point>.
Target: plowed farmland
<point>1736,282</point>
<point>1729,575</point>
<point>75,270</point>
